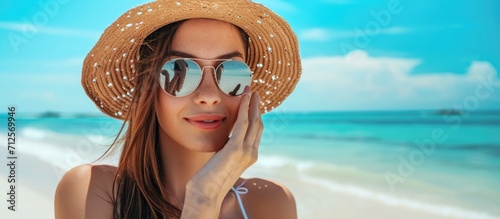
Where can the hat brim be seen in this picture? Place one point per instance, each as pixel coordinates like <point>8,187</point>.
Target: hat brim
<point>109,69</point>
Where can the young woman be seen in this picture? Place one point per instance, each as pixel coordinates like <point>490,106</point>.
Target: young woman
<point>190,135</point>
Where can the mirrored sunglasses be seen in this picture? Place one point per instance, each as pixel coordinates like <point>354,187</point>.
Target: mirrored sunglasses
<point>180,77</point>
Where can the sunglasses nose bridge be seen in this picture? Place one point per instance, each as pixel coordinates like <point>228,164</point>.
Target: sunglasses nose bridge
<point>210,67</point>
<point>207,66</point>
<point>207,90</point>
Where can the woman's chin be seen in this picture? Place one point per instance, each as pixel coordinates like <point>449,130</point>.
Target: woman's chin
<point>208,146</point>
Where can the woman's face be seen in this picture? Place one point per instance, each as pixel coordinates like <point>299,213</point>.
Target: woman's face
<point>202,120</point>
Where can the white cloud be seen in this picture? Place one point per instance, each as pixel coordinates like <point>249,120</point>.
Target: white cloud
<point>396,30</point>
<point>326,34</point>
<point>360,82</point>
<point>315,34</point>
<point>31,29</point>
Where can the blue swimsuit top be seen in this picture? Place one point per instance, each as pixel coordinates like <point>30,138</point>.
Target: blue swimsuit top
<point>240,190</point>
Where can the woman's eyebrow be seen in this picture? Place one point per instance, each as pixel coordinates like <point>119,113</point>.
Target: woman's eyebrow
<point>187,55</point>
<point>231,55</point>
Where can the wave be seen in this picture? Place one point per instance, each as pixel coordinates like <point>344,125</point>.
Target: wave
<point>491,149</point>
<point>330,137</point>
<point>66,150</point>
<point>352,181</point>
<point>34,133</point>
<point>485,118</point>
<point>38,142</point>
<point>443,210</point>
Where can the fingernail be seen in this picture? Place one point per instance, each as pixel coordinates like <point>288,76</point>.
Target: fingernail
<point>247,91</point>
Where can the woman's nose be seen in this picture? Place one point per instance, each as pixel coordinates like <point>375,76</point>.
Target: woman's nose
<point>207,92</point>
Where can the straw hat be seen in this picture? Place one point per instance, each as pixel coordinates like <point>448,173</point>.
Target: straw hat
<point>109,69</point>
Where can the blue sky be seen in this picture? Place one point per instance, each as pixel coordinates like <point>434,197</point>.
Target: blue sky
<point>357,55</point>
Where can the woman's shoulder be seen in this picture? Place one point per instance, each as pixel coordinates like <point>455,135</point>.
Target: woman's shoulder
<point>269,199</point>
<point>90,175</point>
<point>85,191</point>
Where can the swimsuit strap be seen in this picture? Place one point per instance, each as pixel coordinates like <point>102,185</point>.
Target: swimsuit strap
<point>240,190</point>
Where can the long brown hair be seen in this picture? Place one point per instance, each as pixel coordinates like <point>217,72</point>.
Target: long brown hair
<point>139,177</point>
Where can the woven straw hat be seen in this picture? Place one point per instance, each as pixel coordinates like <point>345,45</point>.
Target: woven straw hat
<point>109,69</point>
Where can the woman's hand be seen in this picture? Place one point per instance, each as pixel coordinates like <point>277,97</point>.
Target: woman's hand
<point>207,188</point>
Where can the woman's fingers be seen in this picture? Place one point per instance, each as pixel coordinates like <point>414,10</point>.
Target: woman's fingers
<point>254,122</point>
<point>241,124</point>
<point>243,144</point>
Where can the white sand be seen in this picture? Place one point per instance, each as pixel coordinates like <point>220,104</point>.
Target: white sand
<point>36,183</point>
<point>315,201</point>
<point>39,167</point>
<point>38,177</point>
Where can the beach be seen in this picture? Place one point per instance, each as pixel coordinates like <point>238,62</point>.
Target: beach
<point>334,171</point>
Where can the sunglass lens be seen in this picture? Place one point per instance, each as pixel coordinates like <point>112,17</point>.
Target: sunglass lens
<point>179,77</point>
<point>232,77</point>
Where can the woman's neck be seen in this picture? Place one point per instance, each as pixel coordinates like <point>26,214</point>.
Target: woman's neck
<point>179,165</point>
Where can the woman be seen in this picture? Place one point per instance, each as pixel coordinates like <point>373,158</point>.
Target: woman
<point>184,150</point>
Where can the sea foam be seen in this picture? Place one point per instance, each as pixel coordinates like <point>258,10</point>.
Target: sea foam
<point>321,174</point>
<point>443,210</point>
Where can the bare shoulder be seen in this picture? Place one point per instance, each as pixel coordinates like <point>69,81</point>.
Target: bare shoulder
<point>269,199</point>
<point>85,191</point>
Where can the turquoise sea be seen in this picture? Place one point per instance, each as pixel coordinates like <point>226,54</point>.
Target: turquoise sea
<point>436,162</point>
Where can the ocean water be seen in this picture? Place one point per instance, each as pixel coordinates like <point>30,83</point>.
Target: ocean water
<point>447,164</point>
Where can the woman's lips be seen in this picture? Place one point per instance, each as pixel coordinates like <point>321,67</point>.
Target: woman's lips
<point>206,121</point>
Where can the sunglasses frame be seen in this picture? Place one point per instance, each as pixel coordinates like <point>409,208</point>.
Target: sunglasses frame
<point>217,81</point>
